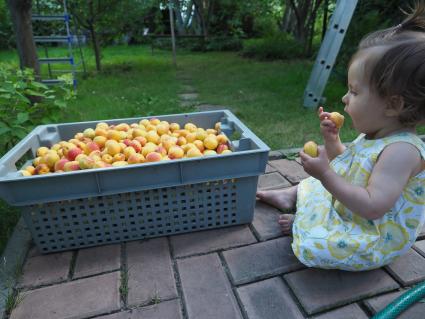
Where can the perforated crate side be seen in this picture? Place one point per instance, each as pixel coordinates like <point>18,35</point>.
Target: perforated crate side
<point>122,217</point>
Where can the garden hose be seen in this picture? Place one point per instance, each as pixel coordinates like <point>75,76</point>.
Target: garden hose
<point>403,302</point>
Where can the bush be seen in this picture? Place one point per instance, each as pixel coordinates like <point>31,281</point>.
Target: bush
<point>25,103</point>
<point>279,46</point>
<point>222,43</point>
<point>265,26</point>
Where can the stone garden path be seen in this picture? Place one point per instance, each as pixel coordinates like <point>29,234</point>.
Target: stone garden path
<point>246,271</point>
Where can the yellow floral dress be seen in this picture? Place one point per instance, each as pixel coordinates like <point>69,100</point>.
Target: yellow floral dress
<point>328,235</point>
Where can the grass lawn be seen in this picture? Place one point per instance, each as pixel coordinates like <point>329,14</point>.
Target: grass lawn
<point>266,96</point>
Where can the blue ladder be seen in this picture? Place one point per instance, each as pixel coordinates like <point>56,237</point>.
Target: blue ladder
<point>68,39</point>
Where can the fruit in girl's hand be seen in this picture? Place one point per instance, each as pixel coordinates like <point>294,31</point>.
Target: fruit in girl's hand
<point>310,148</point>
<point>337,118</point>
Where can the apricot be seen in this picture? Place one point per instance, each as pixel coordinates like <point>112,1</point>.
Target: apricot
<point>310,148</point>
<point>89,132</point>
<point>119,163</point>
<point>193,152</point>
<point>337,118</point>
<point>221,148</point>
<point>153,157</point>
<point>190,127</point>
<point>50,158</point>
<point>30,169</point>
<point>100,140</point>
<point>211,142</point>
<point>135,158</point>
<point>148,148</point>
<point>25,173</point>
<point>42,169</point>
<point>112,147</point>
<point>153,137</point>
<point>209,152</point>
<point>174,127</point>
<point>175,152</point>
<point>73,152</point>
<point>59,165</point>
<point>42,151</point>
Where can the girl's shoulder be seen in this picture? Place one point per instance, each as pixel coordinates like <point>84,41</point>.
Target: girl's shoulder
<point>376,146</point>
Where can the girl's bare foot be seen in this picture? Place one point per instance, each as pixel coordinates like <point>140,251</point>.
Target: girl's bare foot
<point>282,199</point>
<point>285,221</point>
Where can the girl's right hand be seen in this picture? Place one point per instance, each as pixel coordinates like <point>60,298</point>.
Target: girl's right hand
<point>328,128</point>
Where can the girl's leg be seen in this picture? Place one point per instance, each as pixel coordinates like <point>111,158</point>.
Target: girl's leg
<point>285,221</point>
<point>282,199</point>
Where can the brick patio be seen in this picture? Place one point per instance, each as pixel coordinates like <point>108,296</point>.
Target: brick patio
<point>244,271</point>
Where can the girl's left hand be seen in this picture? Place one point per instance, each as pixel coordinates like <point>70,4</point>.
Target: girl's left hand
<point>315,166</point>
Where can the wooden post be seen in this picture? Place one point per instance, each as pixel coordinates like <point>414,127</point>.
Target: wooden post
<point>173,37</point>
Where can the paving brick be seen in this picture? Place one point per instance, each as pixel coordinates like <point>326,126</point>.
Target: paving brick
<point>206,289</point>
<point>265,221</point>
<point>319,289</point>
<point>416,311</point>
<point>274,155</point>
<point>352,311</point>
<point>291,170</point>
<point>96,260</point>
<point>150,272</point>
<point>188,96</point>
<point>45,269</point>
<point>268,299</point>
<point>409,268</point>
<point>76,299</point>
<point>270,169</point>
<point>163,310</point>
<point>187,88</point>
<point>420,247</point>
<point>258,261</point>
<point>272,181</point>
<point>211,240</point>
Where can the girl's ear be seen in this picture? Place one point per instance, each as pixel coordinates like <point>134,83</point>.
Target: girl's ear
<point>394,106</point>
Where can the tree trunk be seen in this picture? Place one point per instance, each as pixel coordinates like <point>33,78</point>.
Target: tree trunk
<point>20,11</point>
<point>180,26</point>
<point>288,18</point>
<point>96,47</point>
<point>92,30</point>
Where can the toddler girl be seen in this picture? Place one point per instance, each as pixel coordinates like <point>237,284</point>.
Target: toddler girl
<point>364,205</point>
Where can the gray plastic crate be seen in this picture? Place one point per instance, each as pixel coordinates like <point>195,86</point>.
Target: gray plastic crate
<point>97,206</point>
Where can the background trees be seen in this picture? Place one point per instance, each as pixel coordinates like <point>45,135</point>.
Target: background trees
<point>296,23</point>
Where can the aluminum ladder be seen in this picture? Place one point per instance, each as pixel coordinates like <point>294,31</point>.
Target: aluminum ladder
<point>328,52</point>
<point>68,38</point>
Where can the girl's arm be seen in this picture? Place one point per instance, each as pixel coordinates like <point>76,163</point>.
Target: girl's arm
<point>330,133</point>
<point>396,164</point>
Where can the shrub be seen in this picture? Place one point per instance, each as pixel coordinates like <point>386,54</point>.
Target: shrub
<point>25,103</point>
<point>279,46</point>
<point>265,26</point>
<point>219,43</point>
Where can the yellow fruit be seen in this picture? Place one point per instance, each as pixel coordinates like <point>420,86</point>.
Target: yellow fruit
<point>211,142</point>
<point>337,118</point>
<point>310,148</point>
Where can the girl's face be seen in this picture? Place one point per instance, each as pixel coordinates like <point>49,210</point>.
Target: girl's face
<point>365,107</point>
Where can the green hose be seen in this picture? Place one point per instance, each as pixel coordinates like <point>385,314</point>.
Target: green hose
<point>403,302</point>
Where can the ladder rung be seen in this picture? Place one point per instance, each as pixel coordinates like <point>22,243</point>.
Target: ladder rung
<point>49,17</point>
<point>56,60</point>
<point>53,38</point>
